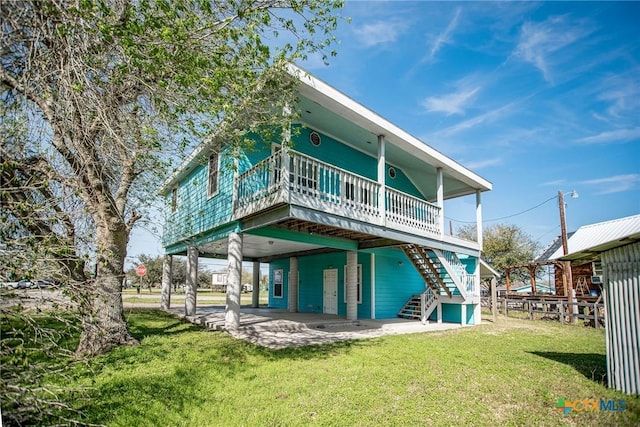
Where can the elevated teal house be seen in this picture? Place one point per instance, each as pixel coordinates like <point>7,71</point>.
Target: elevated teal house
<point>349,216</point>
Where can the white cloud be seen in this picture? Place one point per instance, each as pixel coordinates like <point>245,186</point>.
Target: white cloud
<point>380,32</point>
<point>475,121</point>
<point>540,40</point>
<point>556,183</point>
<point>445,36</point>
<point>450,104</point>
<point>622,93</point>
<point>614,184</point>
<point>481,164</point>
<point>620,135</point>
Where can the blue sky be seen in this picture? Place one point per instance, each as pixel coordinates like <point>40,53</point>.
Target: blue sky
<point>534,97</point>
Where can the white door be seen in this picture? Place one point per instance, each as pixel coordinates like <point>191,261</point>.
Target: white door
<point>330,291</point>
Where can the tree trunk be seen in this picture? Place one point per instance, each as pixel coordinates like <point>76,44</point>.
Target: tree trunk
<point>103,323</point>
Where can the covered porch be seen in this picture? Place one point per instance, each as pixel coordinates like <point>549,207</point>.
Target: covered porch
<point>278,329</point>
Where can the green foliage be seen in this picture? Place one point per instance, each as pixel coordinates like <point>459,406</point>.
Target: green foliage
<point>113,93</point>
<point>35,354</point>
<point>508,373</point>
<point>504,245</point>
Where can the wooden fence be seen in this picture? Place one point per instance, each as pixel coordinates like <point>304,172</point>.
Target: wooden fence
<point>563,310</point>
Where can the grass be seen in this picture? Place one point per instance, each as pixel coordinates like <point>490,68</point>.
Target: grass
<point>131,296</point>
<point>509,373</point>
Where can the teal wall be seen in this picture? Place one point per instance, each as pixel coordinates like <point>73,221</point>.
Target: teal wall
<point>310,278</point>
<point>395,284</point>
<point>196,213</point>
<point>345,157</point>
<point>451,313</point>
<point>470,313</point>
<point>469,263</point>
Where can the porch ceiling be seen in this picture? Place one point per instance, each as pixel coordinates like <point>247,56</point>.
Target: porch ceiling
<point>266,248</point>
<point>331,112</point>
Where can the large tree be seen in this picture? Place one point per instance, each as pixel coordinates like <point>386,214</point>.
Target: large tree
<point>112,90</point>
<point>504,245</point>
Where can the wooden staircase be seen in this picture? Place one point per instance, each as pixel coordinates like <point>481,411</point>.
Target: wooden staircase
<point>420,306</point>
<point>442,271</point>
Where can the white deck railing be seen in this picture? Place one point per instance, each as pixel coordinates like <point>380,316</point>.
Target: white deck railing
<point>406,211</point>
<point>330,189</point>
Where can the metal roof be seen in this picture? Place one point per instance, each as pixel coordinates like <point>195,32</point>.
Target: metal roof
<point>487,271</point>
<point>551,249</point>
<point>594,238</point>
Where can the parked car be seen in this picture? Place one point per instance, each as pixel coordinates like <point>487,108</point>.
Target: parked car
<point>44,283</point>
<point>25,284</point>
<point>8,285</point>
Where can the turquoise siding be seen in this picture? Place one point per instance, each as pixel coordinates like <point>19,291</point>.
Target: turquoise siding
<point>469,262</point>
<point>347,158</point>
<point>470,313</point>
<point>310,276</point>
<point>395,283</point>
<point>310,283</point>
<point>195,212</point>
<point>451,313</point>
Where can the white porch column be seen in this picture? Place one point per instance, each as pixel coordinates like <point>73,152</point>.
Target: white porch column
<point>292,302</point>
<point>440,199</point>
<point>191,287</point>
<point>439,312</point>
<point>232,310</point>
<point>165,293</point>
<point>352,285</point>
<point>477,314</point>
<point>463,314</point>
<point>479,217</point>
<point>382,179</point>
<point>494,299</point>
<point>255,297</point>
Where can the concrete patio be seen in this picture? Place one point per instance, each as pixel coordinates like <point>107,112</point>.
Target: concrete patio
<point>277,329</point>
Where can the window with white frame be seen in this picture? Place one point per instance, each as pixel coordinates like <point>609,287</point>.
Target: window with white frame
<point>277,283</point>
<point>359,284</point>
<point>174,199</point>
<point>214,169</point>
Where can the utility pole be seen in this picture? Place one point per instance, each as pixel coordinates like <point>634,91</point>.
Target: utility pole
<point>566,265</point>
<point>563,224</point>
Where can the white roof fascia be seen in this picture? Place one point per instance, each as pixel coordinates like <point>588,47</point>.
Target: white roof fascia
<point>339,103</point>
<point>491,270</point>
<point>181,170</point>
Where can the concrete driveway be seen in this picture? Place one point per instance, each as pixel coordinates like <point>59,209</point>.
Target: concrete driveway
<point>277,329</point>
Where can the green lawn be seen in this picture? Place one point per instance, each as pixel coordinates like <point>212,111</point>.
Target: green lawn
<point>509,373</point>
<point>131,296</point>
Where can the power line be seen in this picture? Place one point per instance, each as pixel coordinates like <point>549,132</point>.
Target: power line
<point>504,217</point>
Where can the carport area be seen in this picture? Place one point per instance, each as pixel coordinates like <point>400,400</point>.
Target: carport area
<point>277,329</point>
